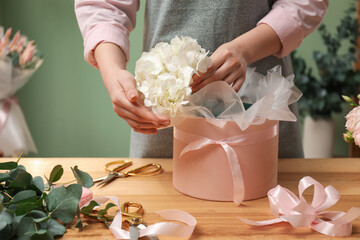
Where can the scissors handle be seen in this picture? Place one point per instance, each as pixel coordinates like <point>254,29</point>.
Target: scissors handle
<point>148,169</point>
<point>132,217</point>
<point>122,165</point>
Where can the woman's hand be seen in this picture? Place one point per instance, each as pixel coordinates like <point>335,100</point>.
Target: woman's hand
<point>124,96</point>
<point>228,65</point>
<point>230,60</point>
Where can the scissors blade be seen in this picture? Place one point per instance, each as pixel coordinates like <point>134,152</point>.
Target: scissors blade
<point>134,232</point>
<point>108,179</point>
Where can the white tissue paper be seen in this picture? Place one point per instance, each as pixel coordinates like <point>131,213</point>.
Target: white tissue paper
<point>15,136</point>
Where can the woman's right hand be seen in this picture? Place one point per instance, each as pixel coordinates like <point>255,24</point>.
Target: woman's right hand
<point>121,86</point>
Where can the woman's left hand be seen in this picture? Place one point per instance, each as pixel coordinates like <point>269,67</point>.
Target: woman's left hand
<point>228,64</point>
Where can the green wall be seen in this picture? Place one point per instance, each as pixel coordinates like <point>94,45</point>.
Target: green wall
<point>66,105</point>
<point>65,102</point>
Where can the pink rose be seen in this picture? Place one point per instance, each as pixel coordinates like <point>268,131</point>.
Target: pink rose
<point>356,136</point>
<point>85,196</point>
<point>353,120</point>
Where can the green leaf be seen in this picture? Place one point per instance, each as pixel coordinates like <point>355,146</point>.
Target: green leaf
<point>4,177</point>
<point>8,165</point>
<point>5,233</point>
<point>63,203</point>
<point>89,208</point>
<point>55,228</point>
<point>1,202</point>
<point>56,173</point>
<point>22,180</point>
<point>42,235</point>
<point>26,207</point>
<point>82,178</point>
<point>38,182</point>
<point>3,225</point>
<point>26,228</point>
<point>14,172</point>
<point>39,216</point>
<point>24,196</point>
<point>102,212</point>
<point>6,216</point>
<point>78,222</point>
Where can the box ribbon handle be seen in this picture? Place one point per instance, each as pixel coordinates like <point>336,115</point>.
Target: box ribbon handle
<point>198,142</point>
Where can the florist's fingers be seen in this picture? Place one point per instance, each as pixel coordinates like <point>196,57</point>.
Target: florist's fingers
<point>237,84</point>
<point>128,82</point>
<point>139,125</point>
<point>136,109</point>
<point>218,75</point>
<point>146,131</point>
<point>124,113</point>
<point>217,62</point>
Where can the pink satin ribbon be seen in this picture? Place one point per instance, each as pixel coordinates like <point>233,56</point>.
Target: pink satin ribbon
<point>197,142</point>
<point>289,208</point>
<point>4,112</point>
<point>162,228</point>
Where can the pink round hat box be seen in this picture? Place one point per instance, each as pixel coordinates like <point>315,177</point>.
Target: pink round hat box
<point>205,173</point>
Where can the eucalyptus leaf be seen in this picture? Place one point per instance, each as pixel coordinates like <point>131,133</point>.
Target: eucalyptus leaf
<point>56,173</point>
<point>8,165</point>
<point>5,233</point>
<point>6,216</point>
<point>63,202</point>
<point>24,196</point>
<point>82,178</point>
<point>39,216</point>
<point>26,227</point>
<point>42,235</point>
<point>38,182</point>
<point>1,202</point>
<point>22,180</point>
<point>4,176</point>
<point>55,228</point>
<point>26,207</point>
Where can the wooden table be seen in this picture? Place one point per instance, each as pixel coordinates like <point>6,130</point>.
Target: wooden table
<point>216,220</point>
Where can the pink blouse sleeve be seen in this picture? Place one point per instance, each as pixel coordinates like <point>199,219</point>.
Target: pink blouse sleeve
<point>105,21</point>
<point>293,20</point>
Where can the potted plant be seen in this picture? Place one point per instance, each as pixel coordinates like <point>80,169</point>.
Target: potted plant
<point>322,95</point>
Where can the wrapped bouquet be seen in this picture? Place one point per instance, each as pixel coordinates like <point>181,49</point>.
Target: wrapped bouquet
<point>222,151</point>
<point>19,59</point>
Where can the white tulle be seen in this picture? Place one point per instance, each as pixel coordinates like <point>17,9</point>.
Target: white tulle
<point>270,96</point>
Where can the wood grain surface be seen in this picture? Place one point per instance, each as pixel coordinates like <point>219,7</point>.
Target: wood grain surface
<point>216,220</point>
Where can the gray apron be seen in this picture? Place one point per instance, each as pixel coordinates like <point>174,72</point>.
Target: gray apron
<point>212,23</point>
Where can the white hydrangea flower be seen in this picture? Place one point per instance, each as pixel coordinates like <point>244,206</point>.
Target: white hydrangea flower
<point>165,73</point>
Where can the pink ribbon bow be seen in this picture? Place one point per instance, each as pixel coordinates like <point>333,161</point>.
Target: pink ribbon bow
<point>287,207</point>
<point>185,229</point>
<point>4,112</point>
<point>197,142</point>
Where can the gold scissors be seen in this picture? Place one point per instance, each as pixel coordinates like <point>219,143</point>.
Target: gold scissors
<point>134,219</point>
<point>149,169</point>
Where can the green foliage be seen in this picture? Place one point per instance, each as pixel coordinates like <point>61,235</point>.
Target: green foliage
<point>27,212</point>
<point>322,96</point>
<point>98,215</point>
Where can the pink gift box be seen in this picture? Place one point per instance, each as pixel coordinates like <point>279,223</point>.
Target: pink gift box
<point>225,164</point>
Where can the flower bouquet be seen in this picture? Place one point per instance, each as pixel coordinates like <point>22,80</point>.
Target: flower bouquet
<point>352,122</point>
<point>222,151</point>
<point>19,59</point>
